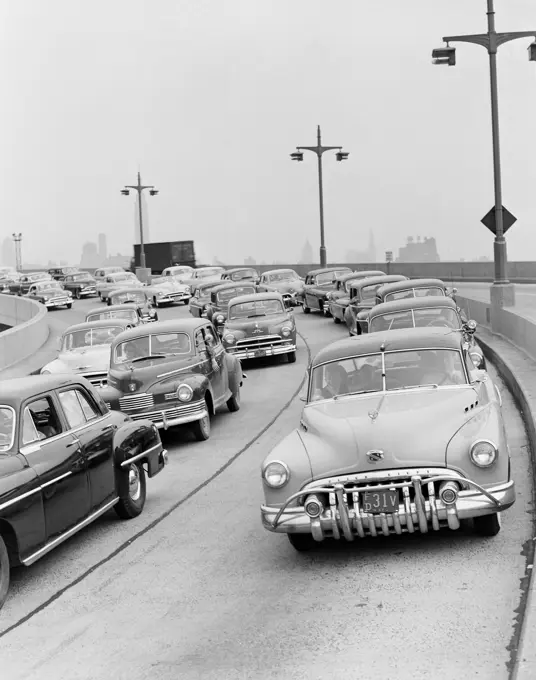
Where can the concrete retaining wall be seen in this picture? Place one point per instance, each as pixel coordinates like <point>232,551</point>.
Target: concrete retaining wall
<point>28,332</point>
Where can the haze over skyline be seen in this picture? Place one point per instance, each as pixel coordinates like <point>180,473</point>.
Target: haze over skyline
<point>208,99</point>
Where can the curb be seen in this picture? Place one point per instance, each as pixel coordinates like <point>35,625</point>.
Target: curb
<point>522,398</point>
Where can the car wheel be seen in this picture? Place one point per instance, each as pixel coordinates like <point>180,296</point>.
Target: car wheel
<point>132,505</point>
<point>301,542</point>
<point>325,309</point>
<point>336,319</point>
<point>155,303</point>
<point>201,428</point>
<point>291,356</point>
<point>77,294</point>
<point>306,310</point>
<point>233,403</point>
<point>487,525</point>
<point>4,572</point>
<point>69,305</point>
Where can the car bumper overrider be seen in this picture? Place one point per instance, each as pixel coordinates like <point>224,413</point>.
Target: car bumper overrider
<point>420,507</point>
<point>142,407</point>
<point>88,291</point>
<point>255,349</point>
<point>173,297</point>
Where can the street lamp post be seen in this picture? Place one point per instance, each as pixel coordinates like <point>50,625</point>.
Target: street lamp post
<point>319,150</point>
<point>18,254</point>
<point>502,291</point>
<point>139,187</point>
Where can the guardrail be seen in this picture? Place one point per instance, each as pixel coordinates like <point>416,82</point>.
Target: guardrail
<point>28,329</point>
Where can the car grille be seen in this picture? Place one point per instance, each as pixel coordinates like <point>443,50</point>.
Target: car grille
<point>135,402</point>
<point>194,409</point>
<point>97,379</point>
<point>259,342</point>
<point>60,300</point>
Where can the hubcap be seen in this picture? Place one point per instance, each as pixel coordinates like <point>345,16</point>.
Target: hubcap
<point>134,486</point>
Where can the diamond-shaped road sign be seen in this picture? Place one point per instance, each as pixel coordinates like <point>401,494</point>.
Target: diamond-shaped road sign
<point>489,220</point>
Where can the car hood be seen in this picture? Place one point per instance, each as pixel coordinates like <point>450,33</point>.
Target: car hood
<point>82,360</point>
<point>51,291</point>
<point>258,324</point>
<point>167,287</point>
<point>287,286</point>
<point>148,374</point>
<point>412,429</point>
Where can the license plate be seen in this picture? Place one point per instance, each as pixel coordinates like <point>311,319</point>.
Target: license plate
<point>260,352</point>
<point>380,501</point>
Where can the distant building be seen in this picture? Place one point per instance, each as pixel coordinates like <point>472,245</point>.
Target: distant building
<point>307,254</point>
<point>250,262</point>
<point>103,247</point>
<point>419,250</point>
<point>7,253</point>
<point>358,256</point>
<point>90,256</point>
<point>116,261</point>
<point>145,218</point>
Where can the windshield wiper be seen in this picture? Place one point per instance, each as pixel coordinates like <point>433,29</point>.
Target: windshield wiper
<point>252,316</point>
<point>412,387</point>
<point>352,394</point>
<point>149,356</point>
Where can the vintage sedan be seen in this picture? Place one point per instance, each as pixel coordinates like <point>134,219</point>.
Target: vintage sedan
<point>260,325</point>
<point>203,275</point>
<point>80,284</point>
<point>411,288</point>
<point>173,373</point>
<point>400,433</point>
<point>339,298</point>
<point>65,460</point>
<point>240,275</point>
<point>220,297</point>
<point>318,283</point>
<point>201,298</point>
<point>84,349</point>
<point>60,273</point>
<point>363,298</point>
<point>22,285</point>
<point>166,290</point>
<point>434,311</point>
<point>178,271</point>
<point>103,272</point>
<point>51,294</point>
<point>116,281</point>
<point>129,311</point>
<point>139,296</point>
<point>284,281</point>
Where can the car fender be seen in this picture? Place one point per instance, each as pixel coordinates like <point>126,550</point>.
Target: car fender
<point>55,366</point>
<point>234,370</point>
<point>200,385</point>
<point>131,439</point>
<point>293,453</point>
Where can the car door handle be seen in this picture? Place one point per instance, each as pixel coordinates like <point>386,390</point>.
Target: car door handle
<point>76,443</point>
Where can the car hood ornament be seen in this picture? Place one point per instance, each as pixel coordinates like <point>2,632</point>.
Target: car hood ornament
<point>375,455</point>
<point>373,414</point>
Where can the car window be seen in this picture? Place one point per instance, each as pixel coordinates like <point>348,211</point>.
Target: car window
<point>45,420</point>
<point>7,427</point>
<point>210,337</point>
<point>200,345</point>
<point>72,409</point>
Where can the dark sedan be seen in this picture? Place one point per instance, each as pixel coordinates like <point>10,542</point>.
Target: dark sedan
<point>81,285</point>
<point>318,283</point>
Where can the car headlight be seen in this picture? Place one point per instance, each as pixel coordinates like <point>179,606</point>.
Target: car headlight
<point>187,289</point>
<point>476,359</point>
<point>276,474</point>
<point>44,372</point>
<point>229,338</point>
<point>219,318</point>
<point>286,331</point>
<point>483,453</point>
<point>69,294</point>
<point>184,392</point>
<point>161,293</point>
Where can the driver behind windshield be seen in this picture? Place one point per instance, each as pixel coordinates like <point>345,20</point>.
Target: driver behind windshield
<point>336,382</point>
<point>438,368</point>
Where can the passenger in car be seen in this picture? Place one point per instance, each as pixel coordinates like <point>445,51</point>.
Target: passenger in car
<point>336,382</point>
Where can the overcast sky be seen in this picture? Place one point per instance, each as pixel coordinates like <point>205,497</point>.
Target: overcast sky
<point>208,98</point>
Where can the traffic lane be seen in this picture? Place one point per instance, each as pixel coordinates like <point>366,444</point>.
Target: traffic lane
<point>209,593</point>
<point>269,386</point>
<point>525,296</point>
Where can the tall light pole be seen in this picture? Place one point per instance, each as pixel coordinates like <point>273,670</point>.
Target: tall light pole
<point>139,187</point>
<point>319,150</point>
<point>18,251</point>
<point>499,220</point>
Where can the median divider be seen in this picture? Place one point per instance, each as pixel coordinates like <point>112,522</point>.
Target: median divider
<point>28,332</point>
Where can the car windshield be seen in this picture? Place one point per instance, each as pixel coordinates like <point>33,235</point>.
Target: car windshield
<point>414,318</point>
<point>156,346</point>
<point>225,295</point>
<point>120,298</point>
<point>178,271</point>
<point>245,274</point>
<point>368,293</point>
<point>48,285</point>
<point>327,277</point>
<point>38,277</point>
<point>158,280</point>
<point>81,277</point>
<point>403,370</point>
<point>128,314</point>
<point>283,276</point>
<point>248,310</point>
<point>429,291</point>
<point>203,273</point>
<point>123,277</point>
<point>90,337</point>
<point>7,428</point>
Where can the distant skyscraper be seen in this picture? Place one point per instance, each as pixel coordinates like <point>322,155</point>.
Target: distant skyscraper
<point>307,254</point>
<point>90,256</point>
<point>103,248</point>
<point>7,256</point>
<point>145,217</point>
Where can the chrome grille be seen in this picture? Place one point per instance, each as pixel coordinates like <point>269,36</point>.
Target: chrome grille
<point>97,379</point>
<point>260,342</point>
<point>193,409</point>
<point>60,300</point>
<point>135,402</point>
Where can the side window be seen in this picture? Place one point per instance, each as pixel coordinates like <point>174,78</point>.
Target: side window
<point>45,418</point>
<point>200,346</point>
<point>88,406</point>
<point>72,409</point>
<point>210,337</point>
<point>29,431</point>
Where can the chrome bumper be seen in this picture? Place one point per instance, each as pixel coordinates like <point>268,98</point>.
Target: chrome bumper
<point>58,303</point>
<point>171,417</point>
<point>88,291</point>
<point>174,297</point>
<point>246,353</point>
<point>419,515</point>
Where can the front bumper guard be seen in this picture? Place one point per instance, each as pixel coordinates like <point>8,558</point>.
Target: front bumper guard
<point>421,514</point>
<point>269,351</point>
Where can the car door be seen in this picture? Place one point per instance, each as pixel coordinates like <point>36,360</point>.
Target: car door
<point>215,348</point>
<point>306,294</point>
<point>57,457</point>
<point>95,432</point>
<point>206,365</point>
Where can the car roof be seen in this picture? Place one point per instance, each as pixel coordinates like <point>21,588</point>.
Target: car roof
<point>413,303</point>
<point>209,285</point>
<point>325,270</point>
<point>209,266</point>
<point>367,274</point>
<point>17,390</point>
<point>239,269</point>
<point>368,281</point>
<point>345,277</point>
<point>88,325</point>
<point>257,297</point>
<point>231,284</point>
<point>111,308</point>
<point>128,289</point>
<point>170,326</point>
<point>278,271</point>
<point>399,339</point>
<point>411,283</point>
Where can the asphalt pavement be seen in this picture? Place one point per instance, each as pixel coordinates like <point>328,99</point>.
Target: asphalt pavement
<point>196,588</point>
<point>525,296</point>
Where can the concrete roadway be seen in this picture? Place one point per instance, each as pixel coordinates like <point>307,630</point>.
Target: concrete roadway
<point>195,588</point>
<point>525,296</point>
